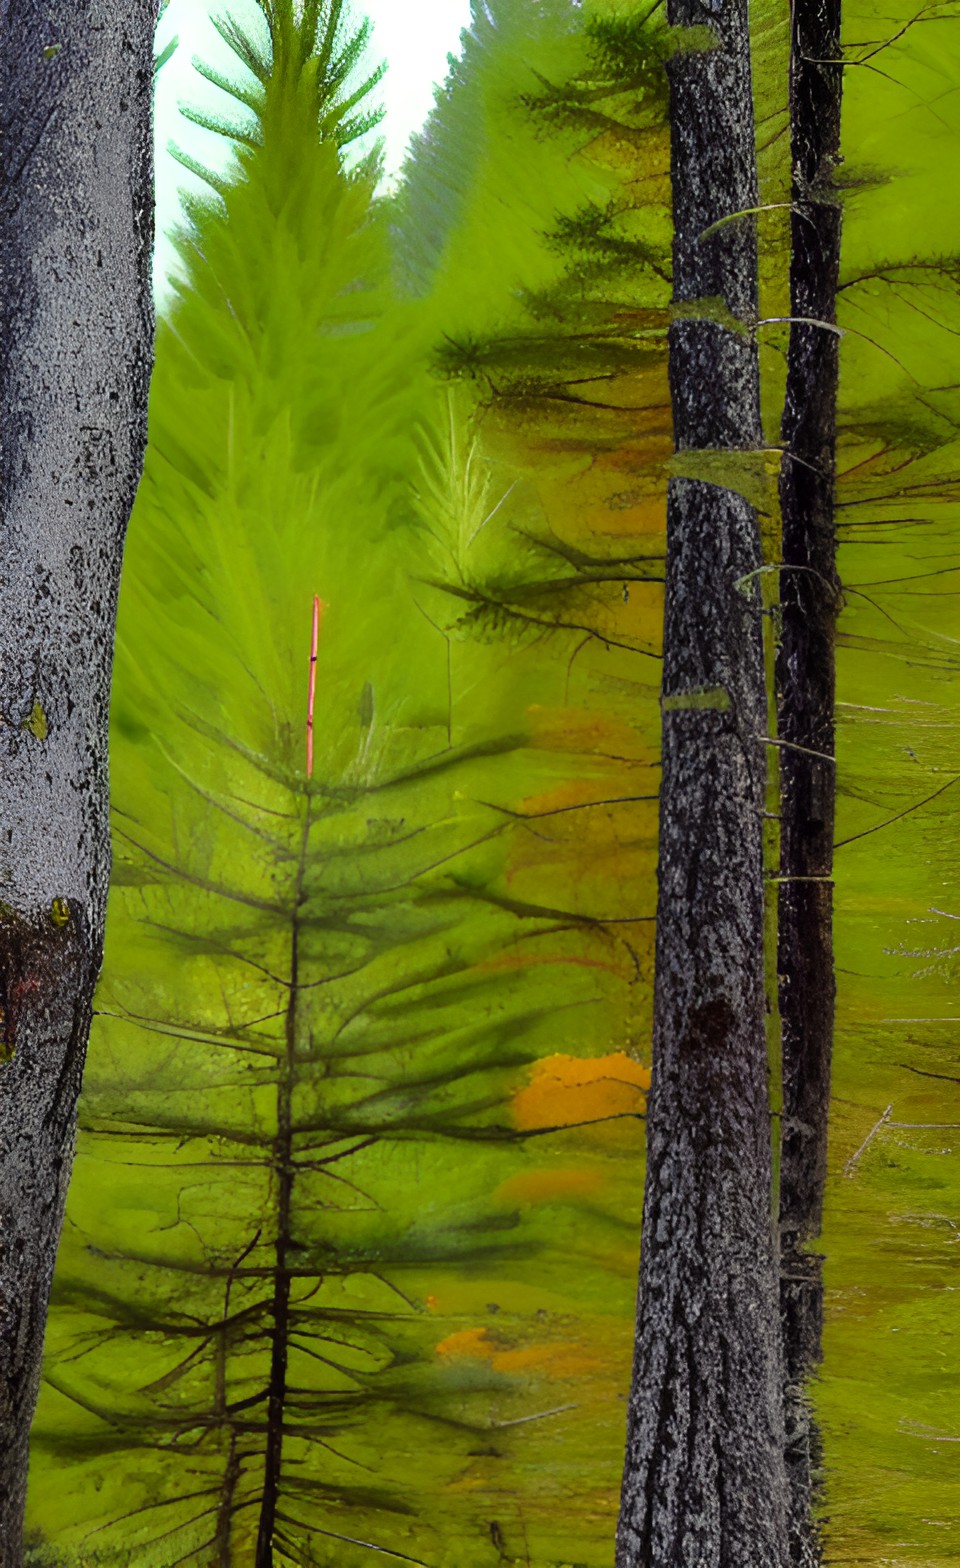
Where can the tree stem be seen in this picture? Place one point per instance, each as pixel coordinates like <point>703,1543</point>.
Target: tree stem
<point>704,1478</point>
<point>805,682</point>
<point>285,1174</point>
<point>76,330</point>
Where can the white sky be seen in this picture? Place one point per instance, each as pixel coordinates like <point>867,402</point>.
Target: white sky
<point>414,36</point>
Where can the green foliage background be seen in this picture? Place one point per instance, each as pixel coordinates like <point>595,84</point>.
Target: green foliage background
<point>367,1072</point>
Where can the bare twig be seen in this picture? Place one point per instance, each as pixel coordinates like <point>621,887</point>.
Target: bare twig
<point>850,1166</point>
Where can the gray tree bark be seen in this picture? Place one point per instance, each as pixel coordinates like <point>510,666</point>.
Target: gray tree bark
<point>76,328</point>
<point>805,676</point>
<point>704,1481</point>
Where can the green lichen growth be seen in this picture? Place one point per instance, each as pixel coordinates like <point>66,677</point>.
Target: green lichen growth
<point>716,698</point>
<point>690,40</point>
<point>709,307</point>
<point>37,722</point>
<point>751,474</point>
<point>51,51</point>
<point>60,913</point>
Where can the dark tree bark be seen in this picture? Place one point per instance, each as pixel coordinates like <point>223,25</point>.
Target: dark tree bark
<point>809,596</point>
<point>76,320</point>
<point>704,1479</point>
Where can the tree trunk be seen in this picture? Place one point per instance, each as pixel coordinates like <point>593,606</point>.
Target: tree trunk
<point>805,676</point>
<point>76,228</point>
<point>704,1481</point>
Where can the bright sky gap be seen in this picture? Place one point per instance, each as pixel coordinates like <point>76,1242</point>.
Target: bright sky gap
<point>414,38</point>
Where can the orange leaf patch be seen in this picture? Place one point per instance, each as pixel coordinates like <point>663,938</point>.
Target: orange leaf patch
<point>567,1090</point>
<point>545,1186</point>
<point>557,1360</point>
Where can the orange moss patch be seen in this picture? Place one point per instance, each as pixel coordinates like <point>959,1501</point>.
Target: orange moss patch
<point>576,793</point>
<point>615,813</point>
<point>567,1090</point>
<point>557,1360</point>
<point>467,1342</point>
<point>604,872</point>
<point>545,1186</point>
<point>571,1360</point>
<point>575,730</point>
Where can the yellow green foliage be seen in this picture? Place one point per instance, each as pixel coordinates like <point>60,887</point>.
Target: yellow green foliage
<point>371,1051</point>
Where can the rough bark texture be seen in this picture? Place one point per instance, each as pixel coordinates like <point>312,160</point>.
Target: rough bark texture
<point>809,594</point>
<point>704,1480</point>
<point>76,217</point>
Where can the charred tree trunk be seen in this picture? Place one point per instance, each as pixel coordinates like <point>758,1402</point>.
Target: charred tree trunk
<point>76,224</point>
<point>809,595</point>
<point>704,1483</point>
